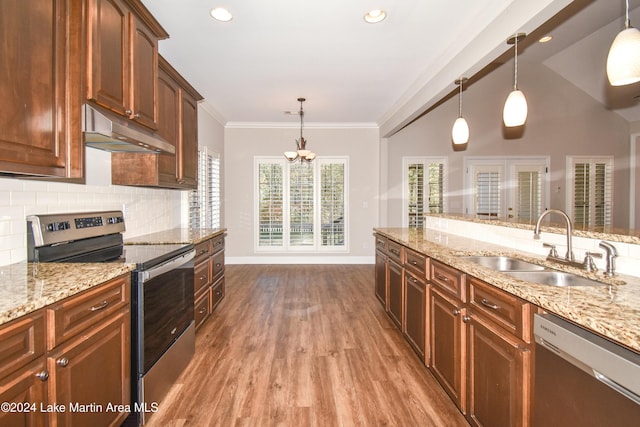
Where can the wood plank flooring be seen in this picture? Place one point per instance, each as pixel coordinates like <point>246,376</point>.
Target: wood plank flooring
<point>303,346</point>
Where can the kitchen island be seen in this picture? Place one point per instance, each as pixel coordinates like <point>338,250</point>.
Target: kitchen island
<point>612,311</point>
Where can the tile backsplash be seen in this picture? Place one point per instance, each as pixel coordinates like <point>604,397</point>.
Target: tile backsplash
<point>145,210</point>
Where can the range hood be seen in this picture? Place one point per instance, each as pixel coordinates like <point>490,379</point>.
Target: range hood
<point>111,133</point>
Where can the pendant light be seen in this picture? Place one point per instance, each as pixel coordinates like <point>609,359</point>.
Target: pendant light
<point>623,62</point>
<point>460,130</point>
<point>301,153</point>
<point>515,107</point>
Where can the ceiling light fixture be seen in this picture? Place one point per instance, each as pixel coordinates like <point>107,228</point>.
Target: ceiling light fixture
<point>460,130</point>
<point>515,107</point>
<point>375,16</point>
<point>221,14</point>
<point>623,61</point>
<point>545,39</point>
<point>301,153</point>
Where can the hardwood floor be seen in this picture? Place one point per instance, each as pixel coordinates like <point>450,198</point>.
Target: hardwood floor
<point>303,346</point>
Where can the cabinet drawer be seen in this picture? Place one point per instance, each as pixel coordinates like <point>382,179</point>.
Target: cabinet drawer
<point>394,250</point>
<point>506,310</point>
<point>415,262</point>
<point>201,276</point>
<point>218,265</point>
<point>78,312</point>
<point>217,293</point>
<point>201,308</point>
<point>448,279</point>
<point>381,244</point>
<point>217,243</point>
<point>21,341</point>
<point>203,251</point>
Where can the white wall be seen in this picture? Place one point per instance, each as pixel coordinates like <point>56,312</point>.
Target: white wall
<point>563,120</point>
<point>242,144</point>
<point>146,210</point>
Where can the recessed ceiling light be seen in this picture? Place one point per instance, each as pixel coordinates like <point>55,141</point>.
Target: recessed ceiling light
<point>375,16</point>
<point>545,39</point>
<point>221,14</point>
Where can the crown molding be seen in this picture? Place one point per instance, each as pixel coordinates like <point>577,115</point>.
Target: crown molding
<point>307,125</point>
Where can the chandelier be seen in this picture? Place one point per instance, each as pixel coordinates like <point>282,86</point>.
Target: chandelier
<point>301,144</point>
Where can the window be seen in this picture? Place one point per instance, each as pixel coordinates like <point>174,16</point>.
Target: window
<point>424,187</point>
<point>506,187</point>
<point>301,206</point>
<point>590,182</point>
<point>204,202</point>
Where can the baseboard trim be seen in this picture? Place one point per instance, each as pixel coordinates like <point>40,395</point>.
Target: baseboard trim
<point>300,260</point>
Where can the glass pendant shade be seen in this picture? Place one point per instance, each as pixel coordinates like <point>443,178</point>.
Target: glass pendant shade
<point>515,109</point>
<point>460,131</point>
<point>290,155</point>
<point>623,62</point>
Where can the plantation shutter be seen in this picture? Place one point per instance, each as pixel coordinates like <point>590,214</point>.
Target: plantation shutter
<point>332,203</point>
<point>487,193</point>
<point>270,209</point>
<point>592,192</point>
<point>301,204</point>
<point>436,188</point>
<point>415,194</point>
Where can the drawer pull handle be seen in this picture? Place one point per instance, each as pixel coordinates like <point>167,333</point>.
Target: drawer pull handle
<point>488,304</point>
<point>100,306</point>
<point>413,279</point>
<point>218,293</point>
<point>62,362</point>
<point>203,310</point>
<point>203,277</point>
<point>218,265</point>
<point>42,375</point>
<point>414,262</point>
<point>441,277</point>
<point>173,331</point>
<point>395,251</point>
<point>218,243</point>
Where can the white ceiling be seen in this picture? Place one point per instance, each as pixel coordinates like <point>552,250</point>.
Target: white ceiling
<point>252,69</point>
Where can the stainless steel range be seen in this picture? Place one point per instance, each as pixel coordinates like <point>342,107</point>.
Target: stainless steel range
<point>163,331</point>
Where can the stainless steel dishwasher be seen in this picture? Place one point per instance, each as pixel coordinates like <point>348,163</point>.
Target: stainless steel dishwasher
<point>583,379</point>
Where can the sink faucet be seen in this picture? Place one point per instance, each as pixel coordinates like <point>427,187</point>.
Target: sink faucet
<point>536,232</point>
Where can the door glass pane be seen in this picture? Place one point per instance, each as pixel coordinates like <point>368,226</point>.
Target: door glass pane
<point>270,215</point>
<point>488,194</point>
<point>416,195</point>
<point>301,204</point>
<point>332,204</point>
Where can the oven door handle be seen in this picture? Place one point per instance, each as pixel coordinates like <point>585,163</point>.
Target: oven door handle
<point>167,266</point>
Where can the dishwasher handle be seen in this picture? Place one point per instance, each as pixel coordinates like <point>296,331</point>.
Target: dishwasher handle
<point>617,387</point>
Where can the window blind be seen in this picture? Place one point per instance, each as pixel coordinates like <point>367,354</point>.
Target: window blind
<point>592,192</point>
<point>301,204</point>
<point>529,194</point>
<point>270,205</point>
<point>204,201</point>
<point>332,204</point>
<point>488,194</point>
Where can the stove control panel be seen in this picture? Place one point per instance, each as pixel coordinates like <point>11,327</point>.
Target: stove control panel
<point>48,229</point>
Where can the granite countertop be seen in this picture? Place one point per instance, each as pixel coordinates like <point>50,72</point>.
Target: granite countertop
<point>612,310</point>
<point>27,287</point>
<point>176,236</point>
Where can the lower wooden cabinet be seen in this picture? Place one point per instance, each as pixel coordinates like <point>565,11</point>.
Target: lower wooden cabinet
<point>415,312</point>
<point>208,287</point>
<point>90,375</point>
<point>447,344</point>
<point>395,275</point>
<point>69,363</point>
<point>498,377</point>
<point>381,278</point>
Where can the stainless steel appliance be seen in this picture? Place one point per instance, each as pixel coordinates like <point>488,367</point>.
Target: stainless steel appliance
<point>583,379</point>
<point>163,330</point>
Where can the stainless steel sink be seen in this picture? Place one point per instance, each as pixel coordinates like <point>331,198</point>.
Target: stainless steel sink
<point>553,278</point>
<point>504,263</point>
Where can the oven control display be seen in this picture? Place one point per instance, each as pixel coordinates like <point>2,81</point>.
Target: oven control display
<point>58,226</point>
<point>95,221</point>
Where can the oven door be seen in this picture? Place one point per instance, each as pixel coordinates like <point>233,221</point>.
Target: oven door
<point>164,309</point>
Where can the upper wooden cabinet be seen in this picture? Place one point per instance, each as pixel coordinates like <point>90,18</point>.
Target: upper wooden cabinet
<point>40,129</point>
<point>177,124</point>
<point>122,59</point>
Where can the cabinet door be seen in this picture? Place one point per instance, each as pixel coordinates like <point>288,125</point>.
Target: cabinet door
<point>92,369</point>
<point>27,390</point>
<point>415,308</point>
<point>40,132</point>
<point>168,126</point>
<point>381,278</point>
<point>108,78</point>
<point>394,280</point>
<point>144,74</point>
<point>447,336</point>
<point>188,146</point>
<point>499,376</point>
